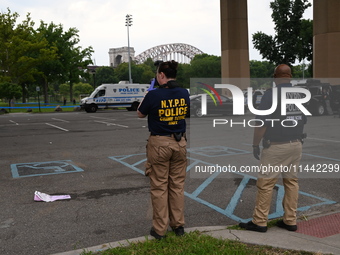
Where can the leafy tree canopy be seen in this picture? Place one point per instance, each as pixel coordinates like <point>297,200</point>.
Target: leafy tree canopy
<point>10,90</point>
<point>105,74</point>
<point>30,56</point>
<point>141,73</point>
<point>82,88</point>
<point>293,39</point>
<point>204,65</point>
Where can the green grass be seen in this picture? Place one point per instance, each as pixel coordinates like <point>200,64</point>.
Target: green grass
<point>70,108</point>
<point>194,243</point>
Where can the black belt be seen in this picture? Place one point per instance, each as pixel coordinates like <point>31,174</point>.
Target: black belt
<point>284,142</point>
<point>169,135</point>
<point>176,136</point>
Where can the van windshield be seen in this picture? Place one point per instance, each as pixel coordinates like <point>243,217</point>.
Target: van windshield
<point>100,93</point>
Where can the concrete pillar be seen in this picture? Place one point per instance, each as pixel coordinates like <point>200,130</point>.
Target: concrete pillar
<point>326,30</point>
<point>234,40</point>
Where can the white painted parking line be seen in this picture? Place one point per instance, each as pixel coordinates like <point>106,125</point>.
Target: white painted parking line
<point>102,118</point>
<point>14,122</point>
<point>110,124</point>
<point>61,120</point>
<point>57,127</point>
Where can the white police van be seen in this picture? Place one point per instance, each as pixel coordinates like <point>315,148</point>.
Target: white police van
<point>114,96</point>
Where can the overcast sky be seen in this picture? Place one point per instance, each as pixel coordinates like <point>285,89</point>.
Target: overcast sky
<point>101,23</point>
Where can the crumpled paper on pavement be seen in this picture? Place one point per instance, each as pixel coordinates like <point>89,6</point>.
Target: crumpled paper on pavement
<point>42,197</point>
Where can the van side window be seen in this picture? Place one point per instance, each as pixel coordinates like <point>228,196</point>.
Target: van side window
<point>100,93</point>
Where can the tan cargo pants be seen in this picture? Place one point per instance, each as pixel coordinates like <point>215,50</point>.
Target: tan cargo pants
<point>166,167</point>
<point>281,159</point>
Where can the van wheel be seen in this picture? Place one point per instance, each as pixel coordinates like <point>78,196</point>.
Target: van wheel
<point>91,108</point>
<point>320,109</point>
<point>133,107</point>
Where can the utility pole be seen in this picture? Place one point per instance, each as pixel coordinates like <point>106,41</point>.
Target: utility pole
<point>128,23</point>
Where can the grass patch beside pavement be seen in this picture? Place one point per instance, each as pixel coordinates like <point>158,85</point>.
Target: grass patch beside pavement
<point>270,224</point>
<point>194,243</point>
<point>34,107</point>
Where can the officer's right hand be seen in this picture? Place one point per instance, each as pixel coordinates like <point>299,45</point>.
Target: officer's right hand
<point>152,85</point>
<point>256,152</point>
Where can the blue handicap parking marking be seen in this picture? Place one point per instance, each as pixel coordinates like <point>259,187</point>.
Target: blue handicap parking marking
<point>229,211</point>
<point>216,151</point>
<point>136,163</point>
<point>43,168</point>
<point>136,157</point>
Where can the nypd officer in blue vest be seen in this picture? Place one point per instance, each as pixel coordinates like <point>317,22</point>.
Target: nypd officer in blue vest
<point>166,108</point>
<point>281,154</point>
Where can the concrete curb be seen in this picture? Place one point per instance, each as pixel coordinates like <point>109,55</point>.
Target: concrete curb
<point>275,237</point>
<point>127,242</point>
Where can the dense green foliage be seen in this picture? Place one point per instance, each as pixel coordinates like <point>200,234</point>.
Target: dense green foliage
<point>49,57</point>
<point>78,89</point>
<point>202,66</point>
<point>294,36</point>
<point>140,73</point>
<point>32,57</point>
<point>9,91</point>
<point>103,75</point>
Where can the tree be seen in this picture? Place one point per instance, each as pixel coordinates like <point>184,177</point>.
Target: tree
<point>82,88</point>
<point>9,91</point>
<point>21,50</point>
<point>183,75</point>
<point>151,63</point>
<point>78,89</point>
<point>7,23</point>
<point>305,45</point>
<point>46,55</point>
<point>261,71</point>
<point>146,73</point>
<point>122,71</point>
<point>207,66</point>
<point>71,60</point>
<point>52,69</point>
<point>105,74</point>
<point>140,73</point>
<point>81,59</point>
<point>302,71</point>
<point>290,41</point>
<point>202,66</point>
<point>64,89</point>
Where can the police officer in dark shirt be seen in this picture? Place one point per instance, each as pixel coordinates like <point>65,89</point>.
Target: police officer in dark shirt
<point>281,154</point>
<point>166,108</point>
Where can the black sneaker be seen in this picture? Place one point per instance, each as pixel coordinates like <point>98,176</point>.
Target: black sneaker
<point>281,224</point>
<point>155,235</point>
<point>253,227</point>
<point>179,231</point>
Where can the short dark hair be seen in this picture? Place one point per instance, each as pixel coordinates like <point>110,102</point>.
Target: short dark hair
<point>169,68</point>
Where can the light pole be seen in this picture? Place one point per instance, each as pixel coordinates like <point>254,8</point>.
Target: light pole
<point>128,23</point>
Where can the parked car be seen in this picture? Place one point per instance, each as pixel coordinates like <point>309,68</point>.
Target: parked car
<point>317,104</point>
<point>214,106</point>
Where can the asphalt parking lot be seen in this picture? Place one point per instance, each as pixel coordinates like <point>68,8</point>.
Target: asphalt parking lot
<point>97,159</point>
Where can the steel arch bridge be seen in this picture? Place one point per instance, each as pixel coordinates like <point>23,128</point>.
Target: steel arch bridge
<point>181,52</point>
